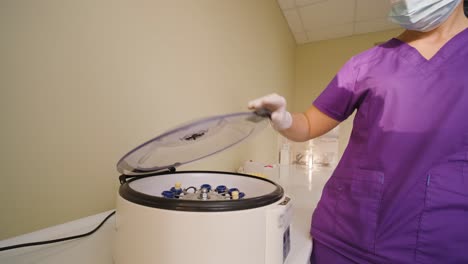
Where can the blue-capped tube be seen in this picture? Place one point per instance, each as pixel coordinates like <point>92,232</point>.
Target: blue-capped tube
<point>206,186</point>
<point>177,189</point>
<point>233,190</point>
<point>168,194</point>
<point>221,189</point>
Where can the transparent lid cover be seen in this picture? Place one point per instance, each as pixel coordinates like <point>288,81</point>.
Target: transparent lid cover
<point>191,142</point>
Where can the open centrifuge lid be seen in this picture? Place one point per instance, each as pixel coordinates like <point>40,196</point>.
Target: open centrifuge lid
<point>191,142</point>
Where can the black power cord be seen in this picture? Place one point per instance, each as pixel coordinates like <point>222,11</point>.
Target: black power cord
<point>59,239</point>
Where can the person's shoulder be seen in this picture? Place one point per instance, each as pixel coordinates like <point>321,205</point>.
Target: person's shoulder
<point>372,55</point>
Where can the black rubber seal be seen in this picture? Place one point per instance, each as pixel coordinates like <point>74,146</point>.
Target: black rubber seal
<point>131,195</point>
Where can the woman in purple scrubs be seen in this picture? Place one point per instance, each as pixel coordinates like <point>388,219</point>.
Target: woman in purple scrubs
<point>400,192</point>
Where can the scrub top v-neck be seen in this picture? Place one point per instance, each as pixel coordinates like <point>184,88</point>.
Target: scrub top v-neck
<point>413,56</point>
<point>400,191</point>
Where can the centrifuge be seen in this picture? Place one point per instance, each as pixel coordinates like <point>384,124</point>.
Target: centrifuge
<point>168,216</point>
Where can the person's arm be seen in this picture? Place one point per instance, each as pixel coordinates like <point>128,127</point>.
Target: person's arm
<point>308,125</point>
<point>298,126</point>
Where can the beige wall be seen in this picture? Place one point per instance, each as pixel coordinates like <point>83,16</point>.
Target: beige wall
<point>85,81</point>
<point>318,62</point>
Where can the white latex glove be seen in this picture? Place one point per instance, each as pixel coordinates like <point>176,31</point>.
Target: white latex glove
<point>280,118</point>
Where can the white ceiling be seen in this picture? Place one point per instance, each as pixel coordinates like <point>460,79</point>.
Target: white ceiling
<point>313,20</point>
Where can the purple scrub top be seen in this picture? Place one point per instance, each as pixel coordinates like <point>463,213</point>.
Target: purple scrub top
<point>400,192</point>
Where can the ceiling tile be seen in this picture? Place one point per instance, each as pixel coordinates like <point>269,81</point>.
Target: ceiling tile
<point>307,2</point>
<point>286,4</point>
<point>313,20</point>
<point>327,13</point>
<point>330,32</point>
<point>373,26</point>
<point>294,21</point>
<point>371,9</point>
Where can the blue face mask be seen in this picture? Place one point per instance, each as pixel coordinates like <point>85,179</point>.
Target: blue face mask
<point>421,15</point>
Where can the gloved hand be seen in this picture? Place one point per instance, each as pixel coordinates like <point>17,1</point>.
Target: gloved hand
<point>280,118</point>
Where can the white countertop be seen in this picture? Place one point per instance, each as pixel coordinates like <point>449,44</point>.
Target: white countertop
<point>303,187</point>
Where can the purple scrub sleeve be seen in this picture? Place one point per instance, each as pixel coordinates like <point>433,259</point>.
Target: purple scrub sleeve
<point>400,192</point>
<point>340,98</point>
